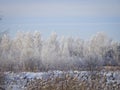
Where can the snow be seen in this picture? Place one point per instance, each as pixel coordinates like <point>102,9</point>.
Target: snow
<point>18,81</point>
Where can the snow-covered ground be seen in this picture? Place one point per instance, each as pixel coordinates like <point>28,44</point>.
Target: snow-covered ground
<point>18,81</point>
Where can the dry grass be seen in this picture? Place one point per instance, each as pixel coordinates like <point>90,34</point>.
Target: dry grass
<point>2,81</point>
<point>111,68</point>
<point>97,82</point>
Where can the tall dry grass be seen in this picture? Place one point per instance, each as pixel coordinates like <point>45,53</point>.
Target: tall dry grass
<point>97,82</point>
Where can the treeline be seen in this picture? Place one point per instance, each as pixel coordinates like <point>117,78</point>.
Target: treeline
<point>30,52</point>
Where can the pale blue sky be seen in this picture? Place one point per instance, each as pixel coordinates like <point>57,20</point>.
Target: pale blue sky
<point>77,18</point>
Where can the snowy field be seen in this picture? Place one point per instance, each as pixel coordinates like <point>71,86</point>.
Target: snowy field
<point>19,81</point>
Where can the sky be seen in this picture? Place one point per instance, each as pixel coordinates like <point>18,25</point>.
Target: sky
<point>76,18</point>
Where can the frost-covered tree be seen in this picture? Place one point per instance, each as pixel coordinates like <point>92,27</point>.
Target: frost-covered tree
<point>37,44</point>
<point>50,51</point>
<point>116,50</point>
<point>6,57</point>
<point>5,45</point>
<point>28,51</point>
<point>37,41</point>
<point>118,54</point>
<point>64,53</point>
<point>99,45</point>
